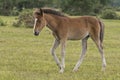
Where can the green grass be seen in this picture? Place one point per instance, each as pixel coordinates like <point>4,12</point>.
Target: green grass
<point>24,56</point>
<point>118,12</point>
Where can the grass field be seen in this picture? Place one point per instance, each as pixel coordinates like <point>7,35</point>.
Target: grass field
<point>24,56</point>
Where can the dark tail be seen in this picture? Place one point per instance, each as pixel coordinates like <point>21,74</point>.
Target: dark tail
<point>101,30</point>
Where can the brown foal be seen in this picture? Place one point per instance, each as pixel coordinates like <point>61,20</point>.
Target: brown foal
<point>66,28</point>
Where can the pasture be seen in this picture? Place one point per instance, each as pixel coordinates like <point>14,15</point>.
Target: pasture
<point>24,56</point>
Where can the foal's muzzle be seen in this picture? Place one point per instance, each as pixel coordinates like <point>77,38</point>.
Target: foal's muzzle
<point>36,33</point>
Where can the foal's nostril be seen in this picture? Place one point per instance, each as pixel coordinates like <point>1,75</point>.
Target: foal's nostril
<point>36,33</point>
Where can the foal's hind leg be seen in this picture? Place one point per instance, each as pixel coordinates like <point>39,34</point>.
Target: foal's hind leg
<point>55,45</point>
<point>100,48</point>
<point>84,48</point>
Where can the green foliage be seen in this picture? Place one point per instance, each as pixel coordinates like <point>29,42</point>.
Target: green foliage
<point>83,7</point>
<point>11,7</point>
<point>14,12</point>
<point>24,19</point>
<point>2,23</point>
<point>115,3</point>
<point>118,9</point>
<point>109,14</point>
<point>74,7</point>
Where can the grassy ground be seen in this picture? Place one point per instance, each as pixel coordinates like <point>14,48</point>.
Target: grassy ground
<point>26,57</point>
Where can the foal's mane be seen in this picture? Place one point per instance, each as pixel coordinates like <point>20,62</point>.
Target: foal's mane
<point>53,11</point>
<point>49,11</point>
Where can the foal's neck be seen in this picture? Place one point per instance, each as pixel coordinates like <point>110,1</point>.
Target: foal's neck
<point>52,21</point>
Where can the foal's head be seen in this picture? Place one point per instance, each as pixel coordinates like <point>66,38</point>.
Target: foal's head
<point>39,21</point>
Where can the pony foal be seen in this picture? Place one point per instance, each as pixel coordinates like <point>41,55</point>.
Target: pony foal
<point>66,28</point>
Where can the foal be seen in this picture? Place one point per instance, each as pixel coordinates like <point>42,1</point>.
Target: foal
<point>66,28</point>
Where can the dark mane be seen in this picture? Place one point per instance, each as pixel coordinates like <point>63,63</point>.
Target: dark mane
<point>52,11</point>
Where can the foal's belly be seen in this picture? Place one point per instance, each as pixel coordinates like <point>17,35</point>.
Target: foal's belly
<point>77,35</point>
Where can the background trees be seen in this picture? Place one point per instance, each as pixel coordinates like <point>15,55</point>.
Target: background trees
<point>75,7</point>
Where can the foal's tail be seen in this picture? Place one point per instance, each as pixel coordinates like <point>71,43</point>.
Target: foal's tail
<point>101,30</point>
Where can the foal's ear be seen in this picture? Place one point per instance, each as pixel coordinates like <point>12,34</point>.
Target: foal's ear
<point>41,12</point>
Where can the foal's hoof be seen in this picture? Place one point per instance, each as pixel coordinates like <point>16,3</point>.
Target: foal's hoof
<point>61,71</point>
<point>75,69</point>
<point>103,69</point>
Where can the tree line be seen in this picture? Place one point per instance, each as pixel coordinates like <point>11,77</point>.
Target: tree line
<point>73,7</point>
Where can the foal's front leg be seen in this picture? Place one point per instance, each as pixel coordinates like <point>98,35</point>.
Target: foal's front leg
<point>63,44</point>
<point>55,45</point>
